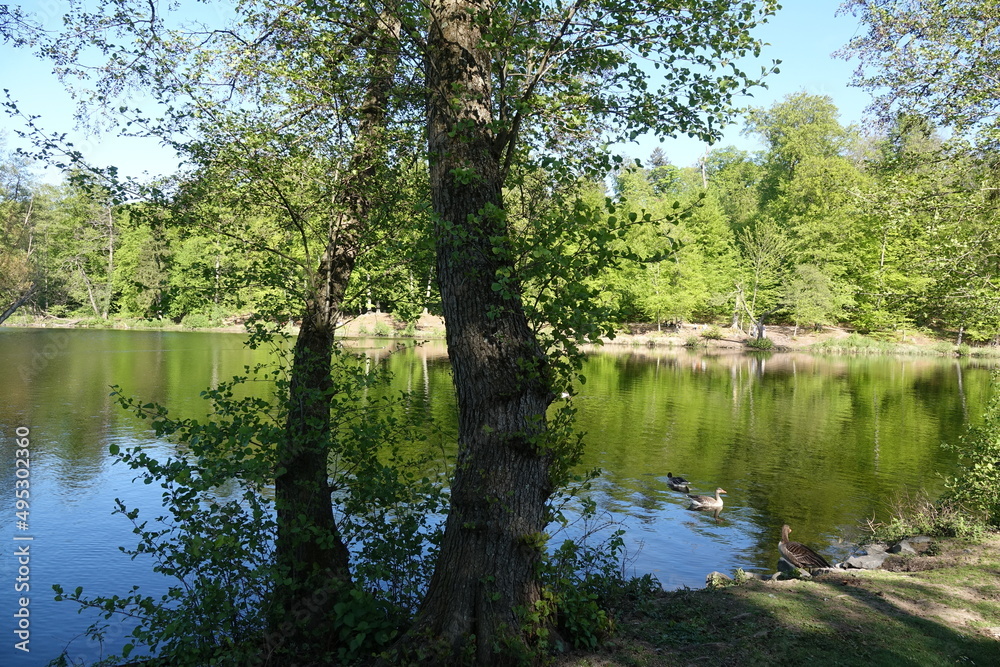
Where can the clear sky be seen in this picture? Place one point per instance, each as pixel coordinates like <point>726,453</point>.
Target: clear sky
<point>803,35</point>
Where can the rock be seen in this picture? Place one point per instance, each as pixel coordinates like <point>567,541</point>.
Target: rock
<point>872,549</point>
<point>872,562</point>
<point>715,579</point>
<point>788,571</point>
<point>920,542</point>
<point>903,547</point>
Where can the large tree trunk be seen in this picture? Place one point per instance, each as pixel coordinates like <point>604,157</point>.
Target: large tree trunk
<point>486,569</point>
<point>309,547</point>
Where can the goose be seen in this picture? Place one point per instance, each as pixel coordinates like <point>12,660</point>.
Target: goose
<point>707,502</point>
<point>678,483</point>
<point>799,555</point>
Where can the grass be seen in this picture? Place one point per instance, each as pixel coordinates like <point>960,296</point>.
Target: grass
<point>859,344</point>
<point>946,614</point>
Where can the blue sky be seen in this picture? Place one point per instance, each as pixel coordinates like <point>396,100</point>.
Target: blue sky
<point>803,35</point>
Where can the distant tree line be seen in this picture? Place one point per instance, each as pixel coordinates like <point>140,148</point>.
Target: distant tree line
<point>824,226</point>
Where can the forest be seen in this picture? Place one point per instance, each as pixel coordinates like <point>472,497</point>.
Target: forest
<point>453,156</point>
<point>825,226</point>
<point>878,230</point>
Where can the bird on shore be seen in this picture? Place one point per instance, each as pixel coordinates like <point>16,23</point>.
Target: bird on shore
<point>678,483</point>
<point>707,502</point>
<point>799,555</point>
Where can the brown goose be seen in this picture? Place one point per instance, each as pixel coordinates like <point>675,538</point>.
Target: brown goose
<point>678,483</point>
<point>707,502</point>
<point>799,555</point>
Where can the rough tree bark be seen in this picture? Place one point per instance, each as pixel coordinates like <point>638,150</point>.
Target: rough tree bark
<point>309,547</point>
<point>486,569</point>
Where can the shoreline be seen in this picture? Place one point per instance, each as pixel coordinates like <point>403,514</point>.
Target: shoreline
<point>708,337</point>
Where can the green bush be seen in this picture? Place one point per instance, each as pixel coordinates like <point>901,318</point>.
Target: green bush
<point>977,486</point>
<point>712,333</point>
<point>217,534</point>
<point>760,343</point>
<point>585,584</point>
<point>944,347</point>
<point>196,321</point>
<point>917,514</point>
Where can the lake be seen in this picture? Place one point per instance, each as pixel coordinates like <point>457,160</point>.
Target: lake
<point>820,443</point>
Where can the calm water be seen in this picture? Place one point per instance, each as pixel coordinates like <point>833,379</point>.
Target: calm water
<point>819,443</point>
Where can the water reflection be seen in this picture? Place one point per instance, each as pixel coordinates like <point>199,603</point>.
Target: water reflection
<point>818,443</point>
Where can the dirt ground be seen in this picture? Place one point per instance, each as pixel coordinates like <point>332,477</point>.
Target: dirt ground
<point>784,337</point>
<point>639,335</point>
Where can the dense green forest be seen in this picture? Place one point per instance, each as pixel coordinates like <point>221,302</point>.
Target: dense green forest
<point>824,226</point>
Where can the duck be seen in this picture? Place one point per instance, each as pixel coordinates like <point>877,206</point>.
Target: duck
<point>799,555</point>
<point>707,502</point>
<point>678,483</point>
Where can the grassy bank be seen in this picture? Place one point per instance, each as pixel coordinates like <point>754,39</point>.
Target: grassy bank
<point>922,610</point>
<point>831,340</point>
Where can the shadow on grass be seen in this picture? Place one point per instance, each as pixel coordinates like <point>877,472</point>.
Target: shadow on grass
<point>829,621</point>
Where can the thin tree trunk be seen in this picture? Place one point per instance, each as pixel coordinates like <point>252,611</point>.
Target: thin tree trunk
<point>486,568</point>
<point>20,301</point>
<point>309,547</point>
<point>427,293</point>
<point>90,289</point>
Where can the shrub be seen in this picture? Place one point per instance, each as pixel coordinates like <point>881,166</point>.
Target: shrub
<point>217,534</point>
<point>916,514</point>
<point>712,333</point>
<point>196,321</point>
<point>945,348</point>
<point>760,343</point>
<point>977,486</point>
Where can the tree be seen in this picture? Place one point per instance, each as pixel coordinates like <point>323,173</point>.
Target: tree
<point>797,128</point>
<point>935,58</point>
<point>764,248</point>
<point>493,72</point>
<point>930,64</point>
<point>283,114</point>
<point>811,298</point>
<point>17,244</point>
<point>81,239</point>
<point>736,178</point>
<point>306,109</point>
<point>811,172</point>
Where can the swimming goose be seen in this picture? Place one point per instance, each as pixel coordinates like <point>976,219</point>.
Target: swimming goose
<point>678,483</point>
<point>707,502</point>
<point>799,555</point>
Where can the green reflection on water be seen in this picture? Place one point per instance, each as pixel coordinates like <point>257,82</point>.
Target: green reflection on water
<point>817,442</point>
